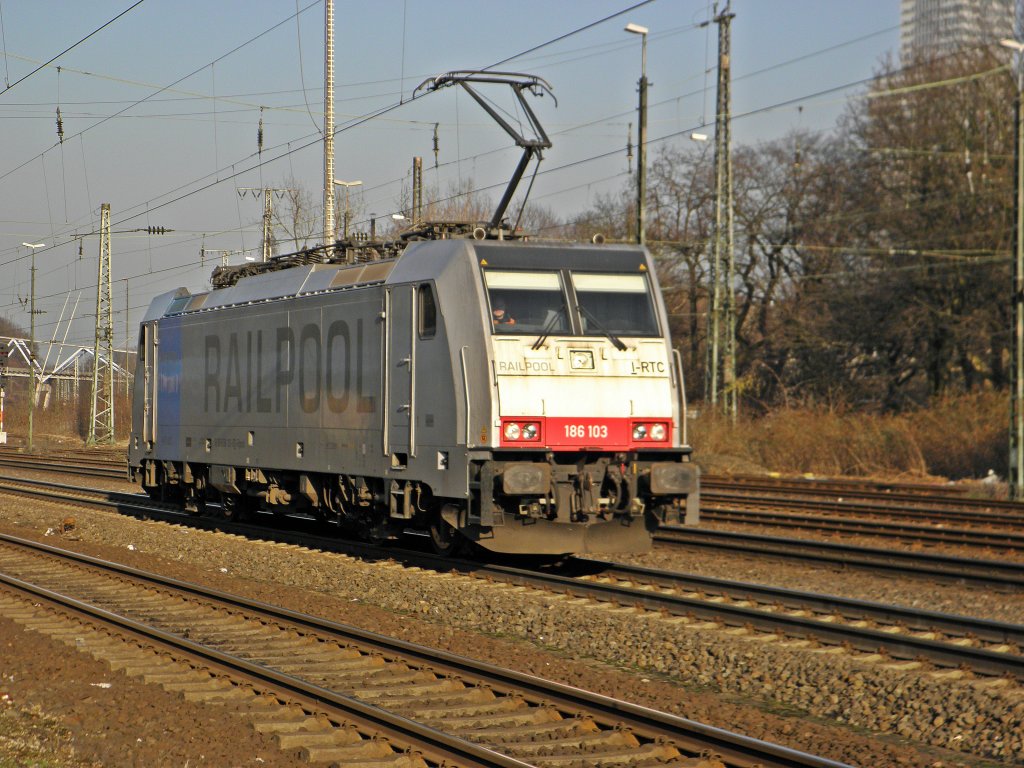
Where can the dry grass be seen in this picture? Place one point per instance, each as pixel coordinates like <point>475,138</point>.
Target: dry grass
<point>68,418</point>
<point>956,438</point>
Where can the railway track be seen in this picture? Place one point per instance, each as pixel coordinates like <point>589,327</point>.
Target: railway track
<point>1000,574</point>
<point>338,693</point>
<point>955,642</point>
<point>945,504</point>
<point>84,466</point>
<point>834,507</point>
<point>984,646</point>
<point>854,484</point>
<point>933,510</point>
<point>991,573</point>
<point>711,511</point>
<point>848,491</point>
<point>939,640</point>
<point>1005,536</point>
<point>849,486</point>
<point>922,514</point>
<point>730,505</point>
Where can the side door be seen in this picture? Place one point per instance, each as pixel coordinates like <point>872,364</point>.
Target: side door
<point>400,374</point>
<point>150,349</point>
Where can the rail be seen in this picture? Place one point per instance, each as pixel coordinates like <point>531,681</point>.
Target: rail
<point>656,733</point>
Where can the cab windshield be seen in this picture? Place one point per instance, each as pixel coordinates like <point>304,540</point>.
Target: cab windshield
<point>526,302</point>
<point>616,304</point>
<point>570,302</point>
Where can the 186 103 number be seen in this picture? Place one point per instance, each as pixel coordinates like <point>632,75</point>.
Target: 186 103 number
<point>598,431</point>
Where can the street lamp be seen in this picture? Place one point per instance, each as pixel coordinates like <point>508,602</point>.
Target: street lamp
<point>32,346</point>
<point>641,154</point>
<point>347,185</point>
<point>1016,473</point>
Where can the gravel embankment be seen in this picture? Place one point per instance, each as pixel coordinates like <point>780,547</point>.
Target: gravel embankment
<point>700,672</point>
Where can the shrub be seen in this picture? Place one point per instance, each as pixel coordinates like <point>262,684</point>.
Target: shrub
<point>956,437</point>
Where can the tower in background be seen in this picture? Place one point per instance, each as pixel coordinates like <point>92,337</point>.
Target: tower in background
<point>937,27</point>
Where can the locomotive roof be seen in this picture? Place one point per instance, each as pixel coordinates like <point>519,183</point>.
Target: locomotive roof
<point>286,283</point>
<point>420,261</point>
<point>600,258</point>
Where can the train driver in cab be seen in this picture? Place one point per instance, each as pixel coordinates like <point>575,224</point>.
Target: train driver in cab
<point>500,314</point>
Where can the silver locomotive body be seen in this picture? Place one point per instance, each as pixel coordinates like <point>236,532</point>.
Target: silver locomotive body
<point>385,396</point>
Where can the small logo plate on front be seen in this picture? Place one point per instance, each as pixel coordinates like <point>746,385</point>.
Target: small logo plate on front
<point>581,359</point>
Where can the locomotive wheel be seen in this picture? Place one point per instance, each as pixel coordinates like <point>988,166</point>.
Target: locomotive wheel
<point>445,540</point>
<point>234,507</point>
<point>195,504</point>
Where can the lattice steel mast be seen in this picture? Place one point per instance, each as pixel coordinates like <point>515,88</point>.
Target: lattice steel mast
<point>329,235</point>
<point>101,418</point>
<point>722,317</point>
<point>268,214</point>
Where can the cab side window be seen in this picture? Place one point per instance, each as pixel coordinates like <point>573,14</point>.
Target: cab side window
<point>427,311</point>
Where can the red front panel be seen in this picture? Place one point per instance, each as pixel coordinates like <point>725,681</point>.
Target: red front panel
<point>586,432</point>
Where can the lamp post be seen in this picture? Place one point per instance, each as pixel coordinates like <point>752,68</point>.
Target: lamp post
<point>32,346</point>
<point>1016,473</point>
<point>641,149</point>
<point>347,185</point>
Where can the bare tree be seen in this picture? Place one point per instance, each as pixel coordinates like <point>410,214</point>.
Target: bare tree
<point>932,188</point>
<point>298,216</point>
<point>681,193</point>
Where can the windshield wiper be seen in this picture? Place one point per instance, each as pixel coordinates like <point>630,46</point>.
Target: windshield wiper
<point>549,326</point>
<point>597,323</point>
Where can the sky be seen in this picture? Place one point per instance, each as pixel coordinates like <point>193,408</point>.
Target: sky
<point>160,111</point>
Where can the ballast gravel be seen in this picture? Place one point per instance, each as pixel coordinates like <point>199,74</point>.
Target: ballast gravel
<point>858,584</point>
<point>857,708</point>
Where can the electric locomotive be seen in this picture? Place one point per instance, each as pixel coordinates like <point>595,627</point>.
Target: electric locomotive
<point>457,380</point>
<point>389,394</point>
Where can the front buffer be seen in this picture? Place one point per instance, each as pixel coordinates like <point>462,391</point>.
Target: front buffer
<point>589,504</point>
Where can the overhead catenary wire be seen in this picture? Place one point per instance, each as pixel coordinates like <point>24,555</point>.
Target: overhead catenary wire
<point>71,47</point>
<point>171,85</point>
<point>977,257</point>
<point>599,49</point>
<point>676,134</point>
<point>607,118</point>
<point>387,109</point>
<point>135,102</point>
<point>654,139</point>
<point>576,31</point>
<point>576,163</point>
<point>379,116</point>
<point>302,69</point>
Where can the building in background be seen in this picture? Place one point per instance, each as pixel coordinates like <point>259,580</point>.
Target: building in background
<point>937,27</point>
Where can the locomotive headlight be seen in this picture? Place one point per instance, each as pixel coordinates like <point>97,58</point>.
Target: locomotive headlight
<point>512,431</point>
<point>657,432</point>
<point>529,431</point>
<point>640,432</point>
